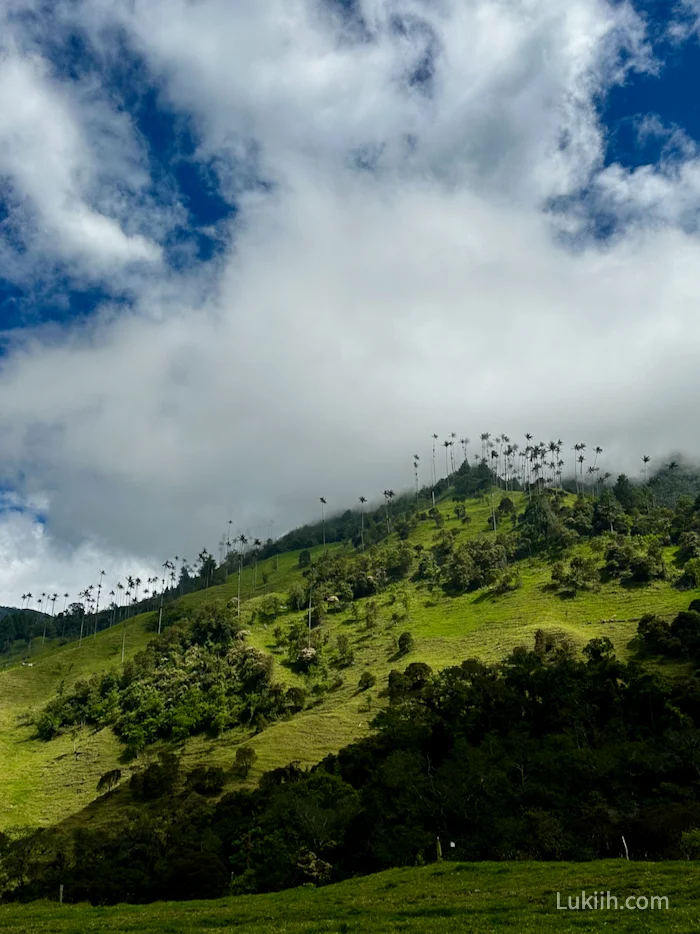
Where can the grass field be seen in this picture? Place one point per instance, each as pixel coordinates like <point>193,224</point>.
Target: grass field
<point>43,783</point>
<point>480,898</point>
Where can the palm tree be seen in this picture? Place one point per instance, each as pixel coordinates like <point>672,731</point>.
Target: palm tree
<point>166,567</point>
<point>113,607</point>
<point>645,461</point>
<point>388,496</point>
<point>97,605</point>
<point>416,458</point>
<point>598,450</point>
<point>244,541</point>
<point>576,448</point>
<point>85,595</point>
<point>446,445</point>
<point>363,500</point>
<point>322,500</point>
<point>257,544</point>
<point>435,437</point>
<point>494,454</point>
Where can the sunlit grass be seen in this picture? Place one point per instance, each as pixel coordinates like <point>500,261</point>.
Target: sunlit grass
<point>41,783</point>
<point>438,899</point>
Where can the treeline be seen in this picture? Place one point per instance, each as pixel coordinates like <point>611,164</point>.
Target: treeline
<point>542,756</point>
<point>198,676</point>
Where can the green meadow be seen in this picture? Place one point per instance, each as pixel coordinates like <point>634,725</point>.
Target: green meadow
<point>442,898</point>
<point>44,783</point>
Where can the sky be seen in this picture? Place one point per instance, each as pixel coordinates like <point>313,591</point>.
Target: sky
<point>252,254</point>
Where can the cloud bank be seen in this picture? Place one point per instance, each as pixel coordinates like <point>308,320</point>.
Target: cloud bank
<point>414,249</point>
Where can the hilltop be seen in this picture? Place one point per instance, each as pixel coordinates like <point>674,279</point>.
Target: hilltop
<point>46,782</point>
<point>434,588</point>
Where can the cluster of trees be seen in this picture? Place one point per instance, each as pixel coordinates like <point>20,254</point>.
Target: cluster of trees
<point>679,639</point>
<point>542,756</point>
<point>199,675</point>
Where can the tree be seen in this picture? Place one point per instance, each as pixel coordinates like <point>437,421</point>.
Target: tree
<point>363,500</point>
<point>388,496</point>
<point>245,759</point>
<point>406,643</point>
<point>367,680</point>
<point>323,518</point>
<point>257,545</point>
<point>304,559</point>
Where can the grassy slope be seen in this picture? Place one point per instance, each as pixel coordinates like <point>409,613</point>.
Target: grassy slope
<point>41,783</point>
<point>443,897</point>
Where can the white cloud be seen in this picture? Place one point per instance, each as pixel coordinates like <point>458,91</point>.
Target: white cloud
<point>358,312</point>
<point>54,168</point>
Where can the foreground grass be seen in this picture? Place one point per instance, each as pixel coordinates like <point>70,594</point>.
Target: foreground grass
<point>445,897</point>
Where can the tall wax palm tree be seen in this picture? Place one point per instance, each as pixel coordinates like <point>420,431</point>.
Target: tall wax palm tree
<point>166,568</point>
<point>128,594</point>
<point>598,450</point>
<point>322,500</point>
<point>257,545</point>
<point>84,595</point>
<point>113,607</point>
<point>363,500</point>
<point>446,445</point>
<point>416,458</point>
<point>243,541</point>
<point>576,448</point>
<point>388,495</point>
<point>97,605</point>
<point>645,461</point>
<point>453,436</point>
<point>435,437</point>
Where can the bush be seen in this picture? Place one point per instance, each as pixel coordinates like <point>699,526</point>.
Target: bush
<point>109,780</point>
<point>406,643</point>
<point>304,558</point>
<point>245,759</point>
<point>367,680</point>
<point>156,780</point>
<point>206,780</point>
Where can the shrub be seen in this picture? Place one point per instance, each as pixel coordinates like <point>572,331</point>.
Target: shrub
<point>245,759</point>
<point>367,680</point>
<point>406,643</point>
<point>304,558</point>
<point>109,780</point>
<point>206,779</point>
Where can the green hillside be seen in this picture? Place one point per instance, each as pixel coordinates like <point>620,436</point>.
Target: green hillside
<point>47,782</point>
<point>445,897</point>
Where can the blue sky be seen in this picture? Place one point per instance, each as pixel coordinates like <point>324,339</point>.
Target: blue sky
<point>248,253</point>
<point>182,176</point>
